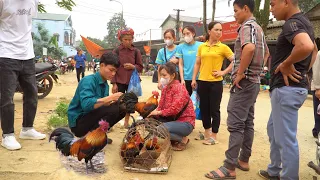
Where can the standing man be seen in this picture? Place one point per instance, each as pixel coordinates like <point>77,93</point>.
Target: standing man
<point>80,59</point>
<point>17,66</point>
<point>250,51</point>
<point>295,54</point>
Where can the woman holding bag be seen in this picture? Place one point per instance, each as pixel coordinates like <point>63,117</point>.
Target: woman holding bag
<point>167,54</point>
<point>209,62</point>
<point>129,59</point>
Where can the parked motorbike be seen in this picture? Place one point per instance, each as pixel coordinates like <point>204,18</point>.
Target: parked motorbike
<point>311,164</point>
<point>45,72</point>
<point>96,67</point>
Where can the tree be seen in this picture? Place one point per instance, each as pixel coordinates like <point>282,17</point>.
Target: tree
<point>66,4</point>
<point>306,5</point>
<point>43,40</point>
<point>213,9</point>
<point>262,15</point>
<point>95,40</point>
<point>204,21</point>
<point>113,26</point>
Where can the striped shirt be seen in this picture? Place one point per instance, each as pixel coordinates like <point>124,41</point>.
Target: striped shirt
<point>250,32</point>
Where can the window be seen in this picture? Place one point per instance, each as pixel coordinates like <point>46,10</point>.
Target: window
<point>66,38</point>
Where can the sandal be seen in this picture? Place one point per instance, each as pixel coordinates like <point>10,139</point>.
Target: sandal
<point>224,171</point>
<point>210,141</point>
<point>200,136</point>
<point>180,146</point>
<point>242,168</point>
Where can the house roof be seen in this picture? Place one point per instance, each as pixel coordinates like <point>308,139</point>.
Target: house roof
<point>184,19</point>
<point>275,24</point>
<point>54,17</point>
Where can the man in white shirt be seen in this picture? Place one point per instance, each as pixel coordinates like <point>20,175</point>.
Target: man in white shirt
<point>17,66</point>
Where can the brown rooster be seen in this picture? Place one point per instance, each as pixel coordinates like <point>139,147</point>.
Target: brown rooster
<point>152,144</point>
<point>83,148</point>
<point>145,108</point>
<point>132,148</point>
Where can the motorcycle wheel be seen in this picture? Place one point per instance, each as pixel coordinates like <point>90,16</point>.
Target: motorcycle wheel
<point>44,87</point>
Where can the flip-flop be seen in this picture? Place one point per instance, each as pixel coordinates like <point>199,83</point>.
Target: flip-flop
<point>200,136</point>
<point>224,171</point>
<point>210,141</point>
<point>180,146</point>
<point>242,168</point>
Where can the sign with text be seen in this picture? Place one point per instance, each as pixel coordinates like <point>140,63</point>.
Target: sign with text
<point>229,31</point>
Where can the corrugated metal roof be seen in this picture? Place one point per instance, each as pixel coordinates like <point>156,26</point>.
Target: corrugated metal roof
<point>275,24</point>
<point>54,17</point>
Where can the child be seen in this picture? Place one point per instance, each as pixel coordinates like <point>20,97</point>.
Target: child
<point>130,59</point>
<point>250,49</point>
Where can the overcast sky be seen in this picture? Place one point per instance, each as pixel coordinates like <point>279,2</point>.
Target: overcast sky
<point>90,18</point>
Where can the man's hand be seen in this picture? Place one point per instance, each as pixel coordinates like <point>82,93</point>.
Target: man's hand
<point>288,70</point>
<point>218,73</point>
<point>114,88</point>
<point>317,93</point>
<point>154,113</point>
<point>128,66</point>
<point>194,84</point>
<point>236,81</point>
<point>116,96</point>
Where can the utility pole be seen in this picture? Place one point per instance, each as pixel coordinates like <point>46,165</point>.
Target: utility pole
<point>177,23</point>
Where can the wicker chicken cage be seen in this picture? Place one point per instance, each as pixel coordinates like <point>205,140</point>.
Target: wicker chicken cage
<point>146,147</point>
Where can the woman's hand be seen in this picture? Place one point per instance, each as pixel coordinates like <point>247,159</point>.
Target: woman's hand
<point>174,60</point>
<point>194,84</point>
<point>159,86</point>
<point>128,66</point>
<point>183,82</point>
<point>154,113</point>
<point>317,93</point>
<point>114,88</point>
<point>218,73</point>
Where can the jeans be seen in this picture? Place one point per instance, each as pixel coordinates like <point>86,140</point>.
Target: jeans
<point>12,72</point>
<point>282,131</point>
<point>240,122</point>
<point>79,71</point>
<point>178,130</point>
<point>316,103</point>
<point>210,94</point>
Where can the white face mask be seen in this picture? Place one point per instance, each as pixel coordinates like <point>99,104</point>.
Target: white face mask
<point>188,39</point>
<point>168,42</point>
<point>164,81</point>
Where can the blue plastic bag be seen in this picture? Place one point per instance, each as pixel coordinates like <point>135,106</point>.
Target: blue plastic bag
<point>135,84</point>
<point>196,103</point>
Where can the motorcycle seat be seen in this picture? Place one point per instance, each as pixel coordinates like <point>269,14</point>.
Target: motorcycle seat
<point>40,67</point>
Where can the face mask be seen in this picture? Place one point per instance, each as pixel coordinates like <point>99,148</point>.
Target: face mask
<point>164,81</point>
<point>188,39</point>
<point>168,42</point>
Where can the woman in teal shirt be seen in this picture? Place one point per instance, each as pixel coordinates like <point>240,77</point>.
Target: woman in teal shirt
<point>187,56</point>
<point>168,53</point>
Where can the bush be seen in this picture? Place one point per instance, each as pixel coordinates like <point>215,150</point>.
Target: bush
<point>60,117</point>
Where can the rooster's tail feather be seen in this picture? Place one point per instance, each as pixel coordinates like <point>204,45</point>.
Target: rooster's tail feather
<point>63,139</point>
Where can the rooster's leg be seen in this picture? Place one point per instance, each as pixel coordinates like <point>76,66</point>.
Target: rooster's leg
<point>87,167</point>
<point>92,167</point>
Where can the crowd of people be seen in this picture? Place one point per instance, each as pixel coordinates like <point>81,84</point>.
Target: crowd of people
<point>183,69</point>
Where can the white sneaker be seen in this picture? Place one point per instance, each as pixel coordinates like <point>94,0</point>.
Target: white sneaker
<point>31,134</point>
<point>10,143</point>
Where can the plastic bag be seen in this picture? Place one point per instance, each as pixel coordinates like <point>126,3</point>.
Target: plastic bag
<point>196,103</point>
<point>318,110</point>
<point>135,84</point>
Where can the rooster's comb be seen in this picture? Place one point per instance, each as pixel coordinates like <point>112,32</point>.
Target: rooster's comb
<point>104,124</point>
<point>155,93</point>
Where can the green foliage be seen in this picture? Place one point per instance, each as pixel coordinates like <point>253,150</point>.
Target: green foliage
<point>44,40</point>
<point>60,117</point>
<point>306,5</point>
<point>262,15</point>
<point>65,4</point>
<point>113,26</point>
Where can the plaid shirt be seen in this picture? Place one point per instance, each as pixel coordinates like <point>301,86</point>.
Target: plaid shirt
<point>250,32</point>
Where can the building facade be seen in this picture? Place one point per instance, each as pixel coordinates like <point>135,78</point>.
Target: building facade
<point>59,25</point>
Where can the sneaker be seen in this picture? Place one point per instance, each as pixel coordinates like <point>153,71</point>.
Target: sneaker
<point>31,134</point>
<point>264,174</point>
<point>10,143</point>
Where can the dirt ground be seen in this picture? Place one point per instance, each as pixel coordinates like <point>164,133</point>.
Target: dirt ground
<point>38,160</point>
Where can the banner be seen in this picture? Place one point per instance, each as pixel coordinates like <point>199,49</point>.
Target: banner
<point>229,31</point>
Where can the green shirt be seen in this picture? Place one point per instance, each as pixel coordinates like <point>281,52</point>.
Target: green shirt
<point>90,89</point>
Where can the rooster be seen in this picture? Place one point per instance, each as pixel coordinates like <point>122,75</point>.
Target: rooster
<point>132,148</point>
<point>83,148</point>
<point>145,108</point>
